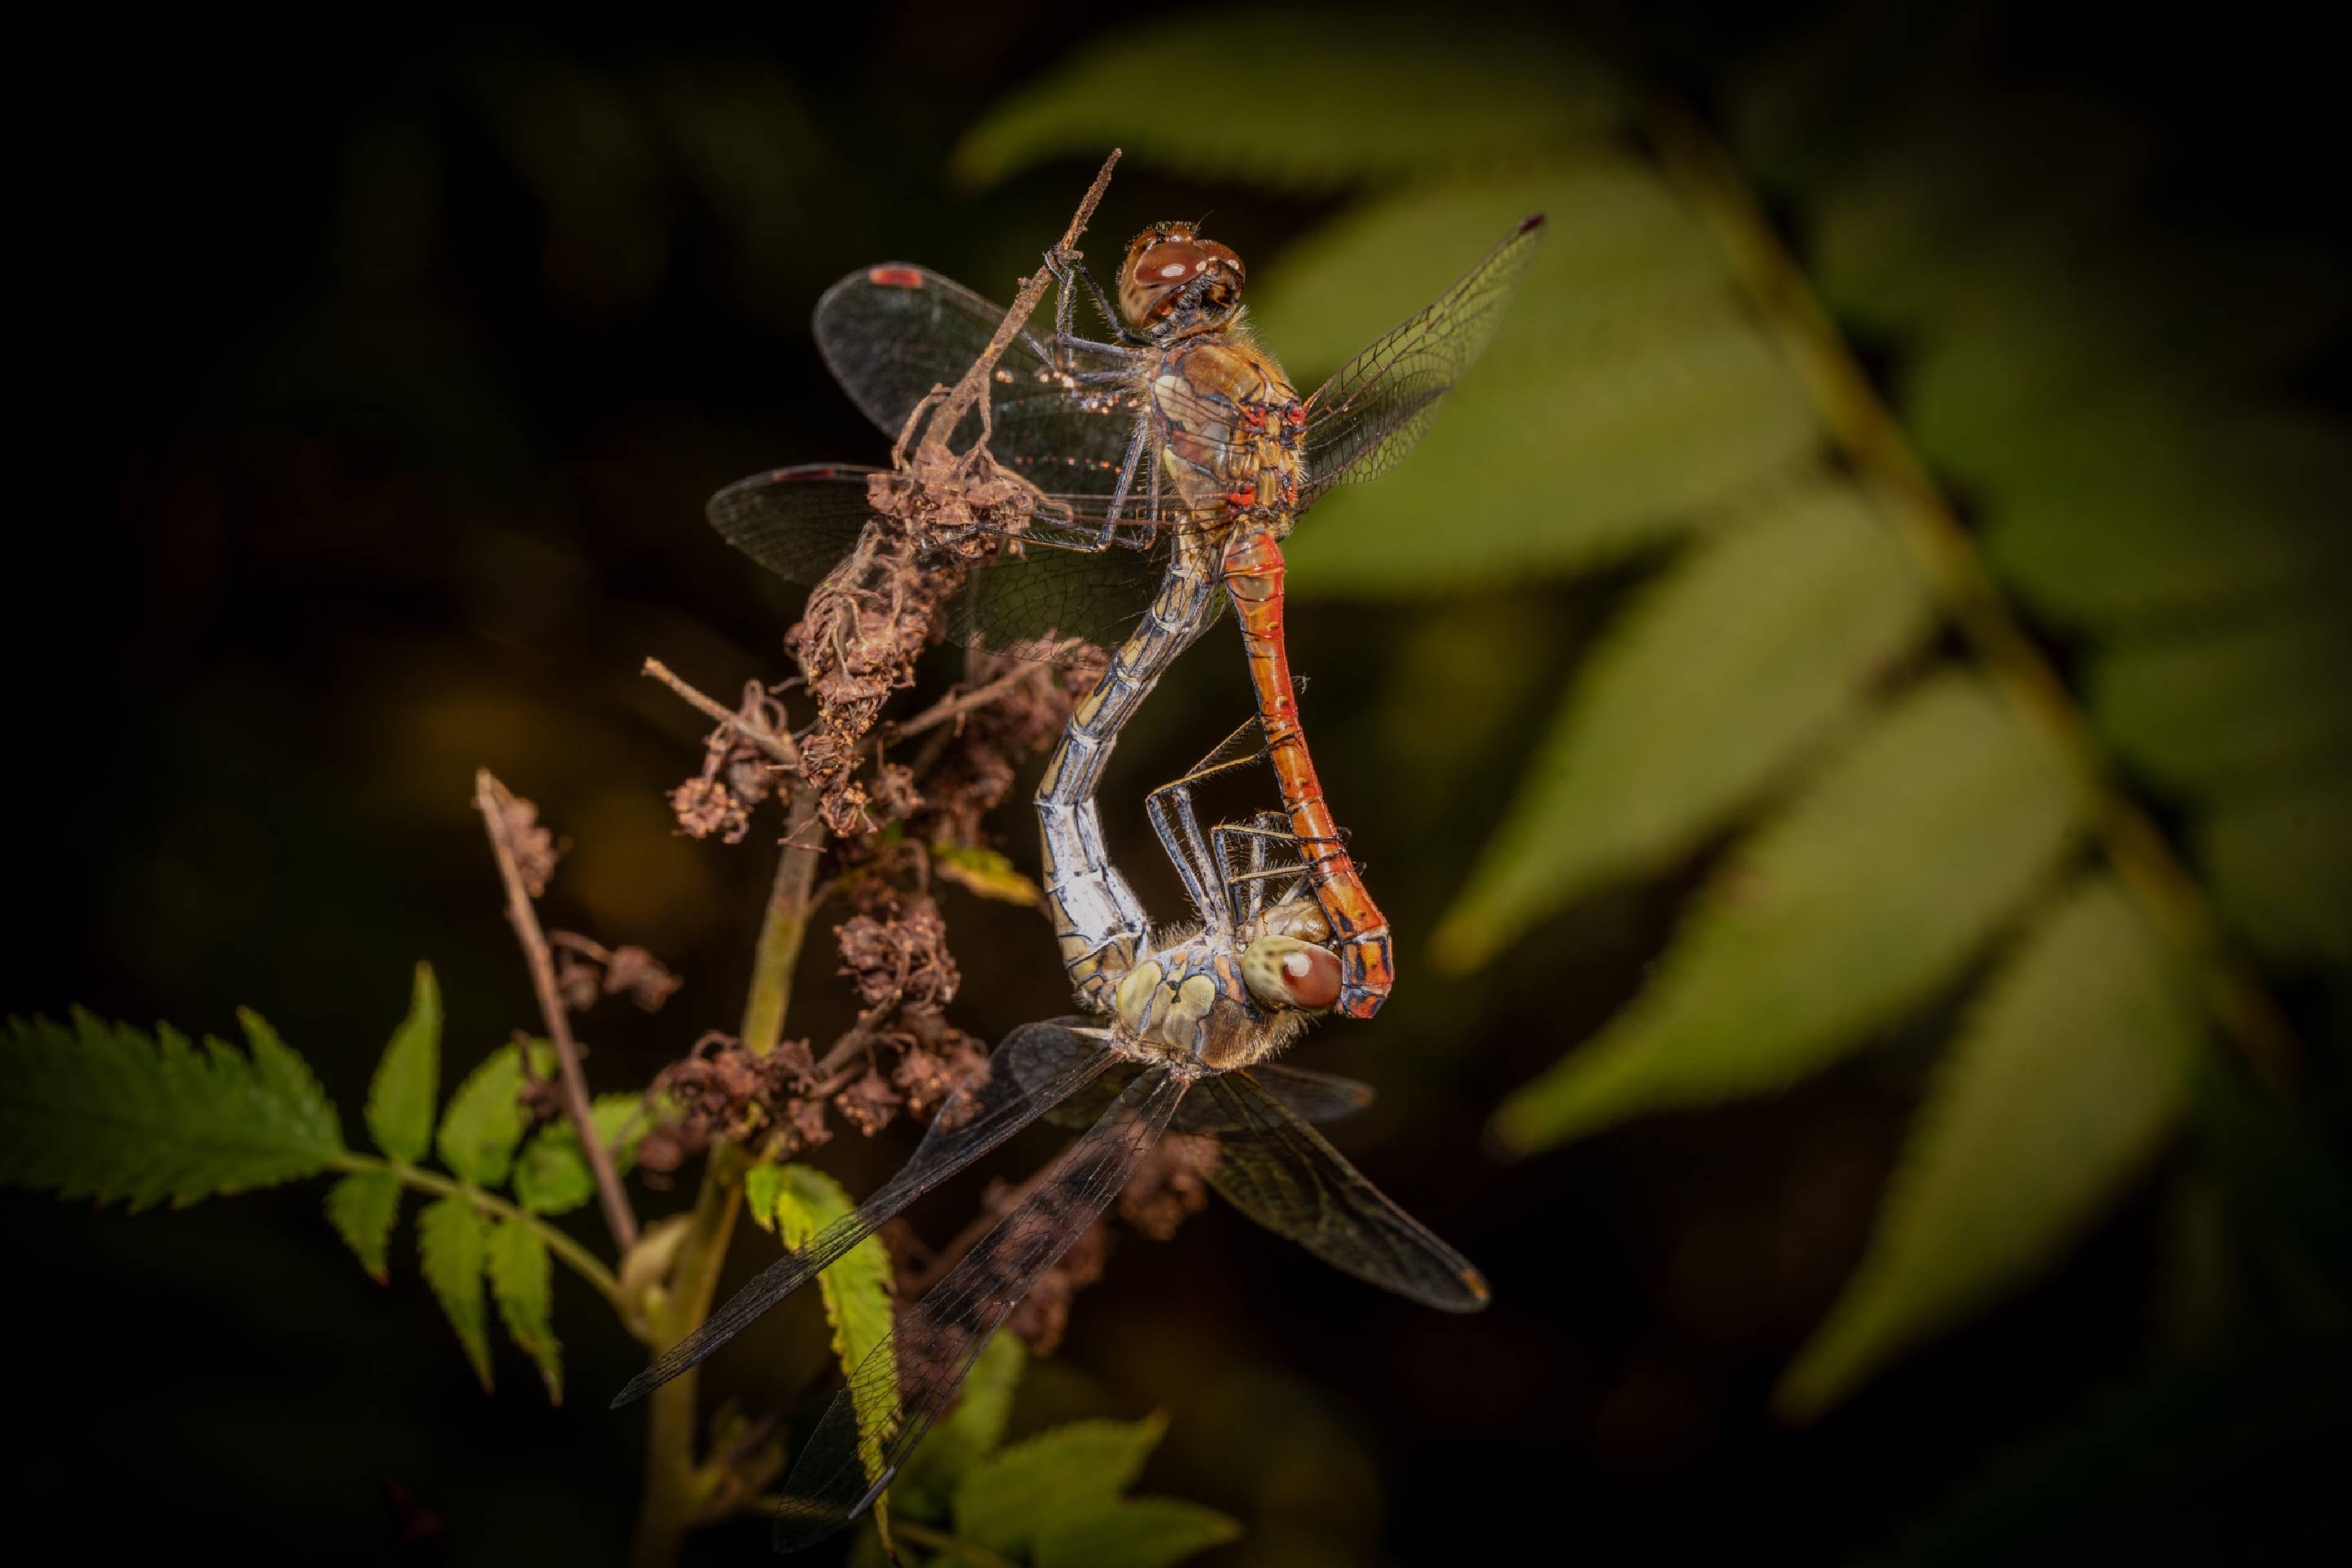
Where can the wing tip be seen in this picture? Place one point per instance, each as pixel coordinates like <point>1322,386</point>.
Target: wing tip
<point>1530,224</point>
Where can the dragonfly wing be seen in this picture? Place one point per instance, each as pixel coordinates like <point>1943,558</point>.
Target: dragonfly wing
<point>1279,1170</point>
<point>916,1371</point>
<point>1311,1096</point>
<point>797,523</point>
<point>1371,414</point>
<point>982,1112</point>
<point>1025,604</point>
<point>1040,1050</point>
<point>891,334</point>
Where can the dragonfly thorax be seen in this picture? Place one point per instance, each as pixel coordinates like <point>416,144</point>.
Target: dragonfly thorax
<point>1225,1003</point>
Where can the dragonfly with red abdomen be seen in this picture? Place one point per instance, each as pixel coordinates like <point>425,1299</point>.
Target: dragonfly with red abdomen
<point>1171,461</point>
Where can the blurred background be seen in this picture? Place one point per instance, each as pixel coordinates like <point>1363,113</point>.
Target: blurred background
<point>386,381</point>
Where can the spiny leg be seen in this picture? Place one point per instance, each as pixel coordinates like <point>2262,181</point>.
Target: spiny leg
<point>1178,825</point>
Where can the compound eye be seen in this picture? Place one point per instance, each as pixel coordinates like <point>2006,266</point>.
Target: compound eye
<point>1311,975</point>
<point>1169,263</point>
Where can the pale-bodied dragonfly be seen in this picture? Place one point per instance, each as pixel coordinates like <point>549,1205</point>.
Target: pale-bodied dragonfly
<point>1185,1045</point>
<point>1173,459</point>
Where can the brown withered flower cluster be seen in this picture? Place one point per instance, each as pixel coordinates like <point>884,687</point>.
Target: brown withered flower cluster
<point>736,775</point>
<point>723,1091</point>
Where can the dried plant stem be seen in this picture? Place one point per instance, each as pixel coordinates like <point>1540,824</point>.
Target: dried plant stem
<point>778,748</point>
<point>1874,440</point>
<point>493,800</point>
<point>955,705</point>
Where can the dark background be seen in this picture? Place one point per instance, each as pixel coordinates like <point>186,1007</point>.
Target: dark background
<point>372,444</point>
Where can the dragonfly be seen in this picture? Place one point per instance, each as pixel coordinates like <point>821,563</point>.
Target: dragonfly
<point>1187,1045</point>
<point>1170,461</point>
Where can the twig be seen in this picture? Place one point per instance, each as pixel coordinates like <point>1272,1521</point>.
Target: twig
<point>955,705</point>
<point>1874,441</point>
<point>778,748</point>
<point>493,800</point>
<point>973,386</point>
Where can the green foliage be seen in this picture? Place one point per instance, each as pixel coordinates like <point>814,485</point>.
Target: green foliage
<point>2073,1070</point>
<point>408,1078</point>
<point>522,1279</point>
<point>363,1207</point>
<point>925,1485</point>
<point>1059,1493</point>
<point>1142,1532</point>
<point>1870,894</point>
<point>484,1121</point>
<point>101,1110</point>
<point>796,1203</point>
<point>552,1175</point>
<point>2101,400</point>
<point>452,1243</point>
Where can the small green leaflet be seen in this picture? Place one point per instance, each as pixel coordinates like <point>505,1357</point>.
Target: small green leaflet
<point>408,1079</point>
<point>363,1207</point>
<point>1006,1502</point>
<point>1138,1532</point>
<point>522,1279</point>
<point>857,1288</point>
<point>552,1175</point>
<point>484,1123</point>
<point>101,1110</point>
<point>454,1245</point>
<point>984,871</point>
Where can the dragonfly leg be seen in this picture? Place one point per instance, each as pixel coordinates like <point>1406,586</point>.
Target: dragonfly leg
<point>1065,307</point>
<point>1178,825</point>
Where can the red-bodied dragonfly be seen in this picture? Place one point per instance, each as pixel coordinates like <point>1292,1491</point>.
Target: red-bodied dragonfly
<point>1186,1044</point>
<point>1172,460</point>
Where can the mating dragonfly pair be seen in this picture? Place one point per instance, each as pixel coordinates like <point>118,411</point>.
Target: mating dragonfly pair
<point>1169,464</point>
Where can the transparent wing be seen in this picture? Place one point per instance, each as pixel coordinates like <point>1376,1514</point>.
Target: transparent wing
<point>1364,420</point>
<point>982,1113</point>
<point>891,334</point>
<point>914,1373</point>
<point>1039,1053</point>
<point>1280,1172</point>
<point>800,522</point>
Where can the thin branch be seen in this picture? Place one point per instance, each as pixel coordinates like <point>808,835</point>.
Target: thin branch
<point>778,748</point>
<point>494,801</point>
<point>582,1261</point>
<point>1874,441</point>
<point>954,705</point>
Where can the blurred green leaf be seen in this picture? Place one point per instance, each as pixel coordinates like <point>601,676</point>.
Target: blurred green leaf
<point>1010,1498</point>
<point>522,1278</point>
<point>552,1175</point>
<point>762,1186</point>
<point>2201,709</point>
<point>408,1079</point>
<point>2281,864</point>
<point>1869,894</point>
<point>986,872</point>
<point>2144,508</point>
<point>856,1289</point>
<point>363,1207</point>
<point>1477,97</point>
<point>485,1118</point>
<point>453,1244</point>
<point>975,1426</point>
<point>2070,1072</point>
<point>1754,647</point>
<point>1139,1532</point>
<point>100,1111</point>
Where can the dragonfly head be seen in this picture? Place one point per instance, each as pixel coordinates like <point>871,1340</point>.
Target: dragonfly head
<point>1284,971</point>
<point>1174,283</point>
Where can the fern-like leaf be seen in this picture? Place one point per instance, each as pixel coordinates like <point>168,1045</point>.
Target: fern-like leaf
<point>484,1120</point>
<point>452,1243</point>
<point>101,1110</point>
<point>551,1176</point>
<point>2280,862</point>
<point>2073,1068</point>
<point>408,1079</point>
<point>1482,97</point>
<point>1869,895</point>
<point>363,1207</point>
<point>2206,709</point>
<point>1754,647</point>
<point>522,1278</point>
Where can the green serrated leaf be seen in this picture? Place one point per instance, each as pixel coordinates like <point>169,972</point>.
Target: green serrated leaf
<point>1007,1499</point>
<point>101,1110</point>
<point>2205,708</point>
<point>762,1186</point>
<point>925,1485</point>
<point>1551,461</point>
<point>484,1120</point>
<point>2154,507</point>
<point>1138,1533</point>
<point>856,1289</point>
<point>2281,865</point>
<point>453,1245</point>
<point>2071,1070</point>
<point>552,1175</point>
<point>363,1207</point>
<point>522,1278</point>
<point>1751,650</point>
<point>1486,97</point>
<point>1870,894</point>
<point>408,1079</point>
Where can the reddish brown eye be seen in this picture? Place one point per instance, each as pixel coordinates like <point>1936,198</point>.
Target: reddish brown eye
<point>1169,263</point>
<point>1311,975</point>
